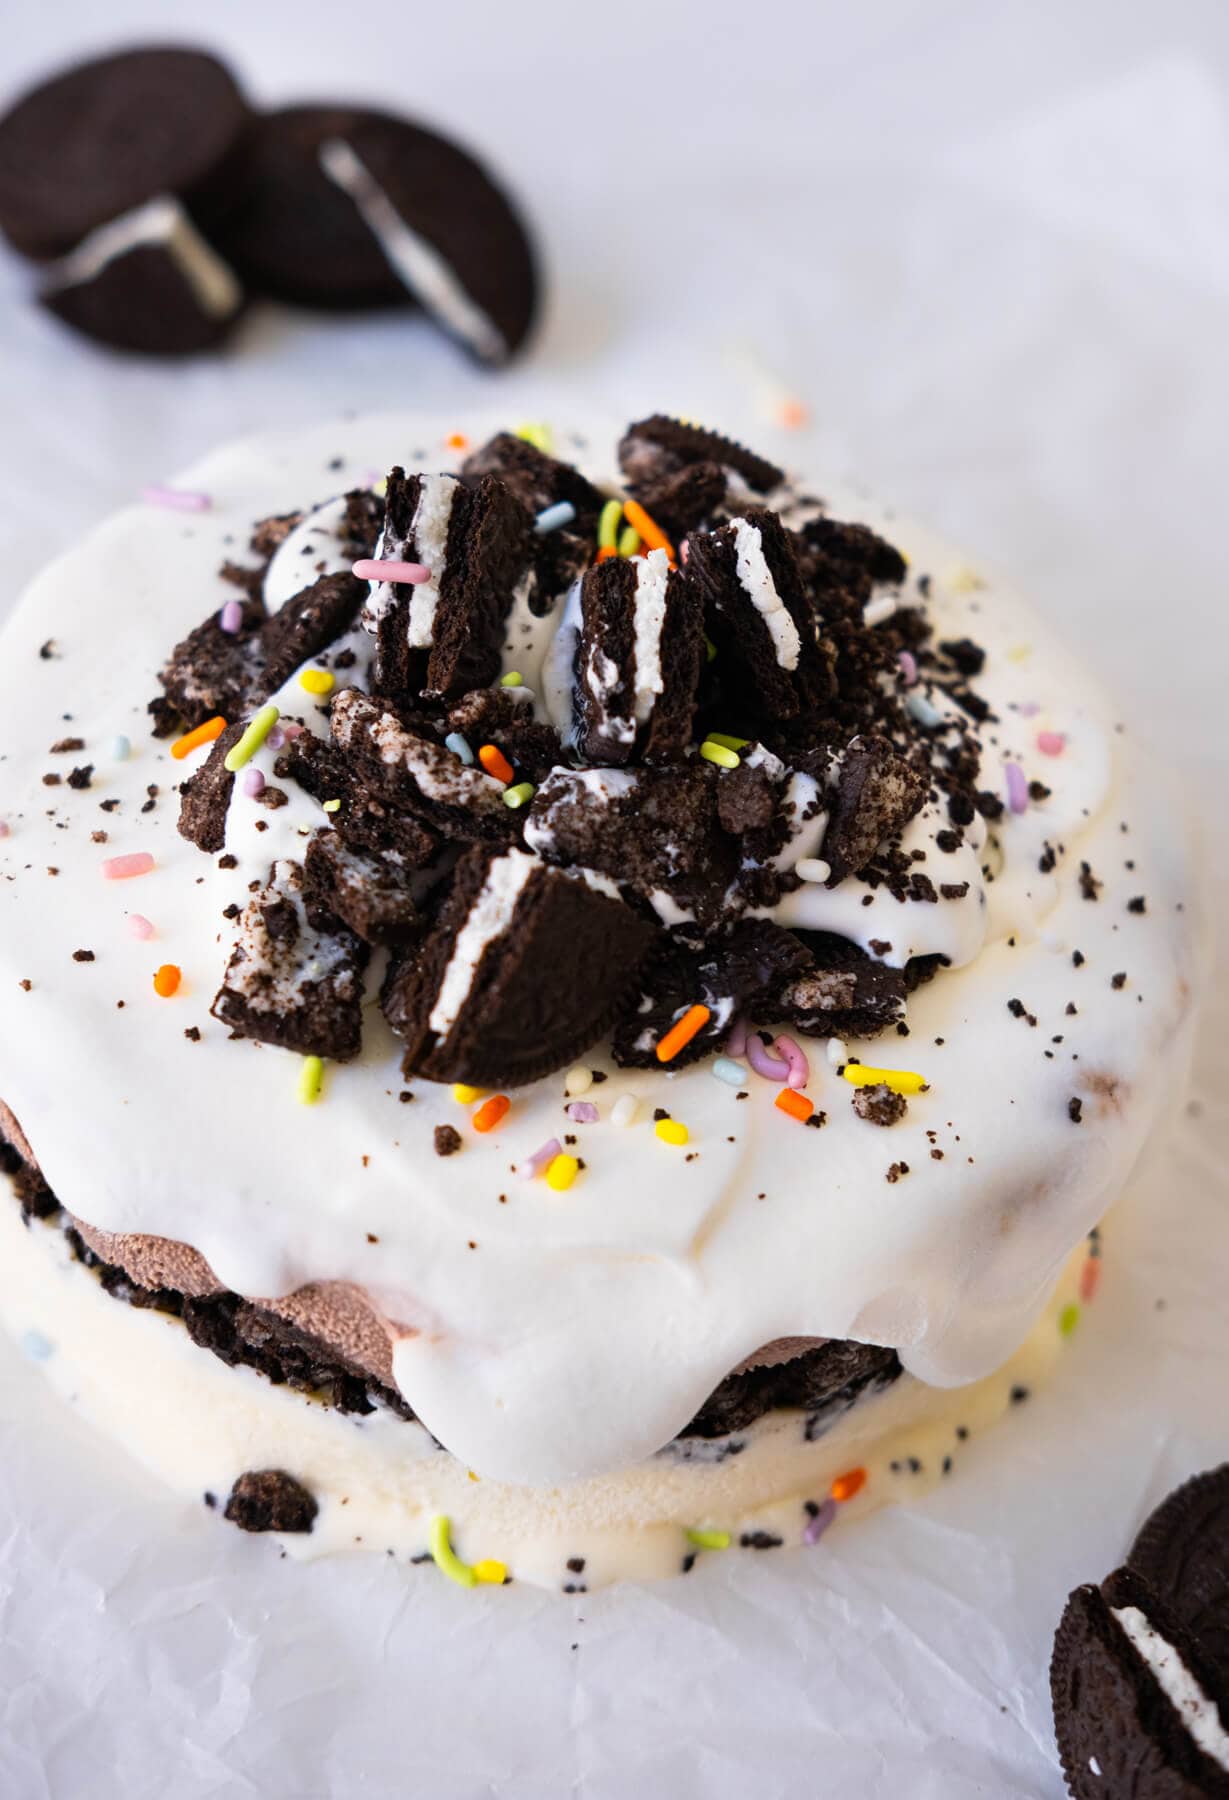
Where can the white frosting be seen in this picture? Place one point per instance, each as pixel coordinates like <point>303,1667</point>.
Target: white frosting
<point>314,548</point>
<point>488,918</point>
<point>757,582</point>
<point>161,222</point>
<point>1197,1711</point>
<point>652,575</point>
<point>586,1327</point>
<point>418,263</point>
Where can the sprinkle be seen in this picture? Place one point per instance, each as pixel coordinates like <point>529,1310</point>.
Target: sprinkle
<point>537,434</point>
<point>727,1070</point>
<point>175,499</point>
<point>684,550</point>
<point>490,1571</point>
<point>1051,743</point>
<point>140,927</point>
<point>464,1095</point>
<point>1017,787</point>
<point>331,806</point>
<point>5,828</point>
<point>648,528</point>
<point>772,1068</point>
<point>847,1485</point>
<point>192,740</point>
<point>311,1080</point>
<point>1090,1275</point>
<point>122,868</point>
<point>922,710</point>
<point>121,749</point>
<point>562,1172</point>
<point>682,1031</point>
<point>608,525</point>
<point>816,1526</point>
<point>717,753</point>
<point>291,731</point>
<point>445,1557</point>
<point>629,541</point>
<point>605,553</point>
<point>513,678</point>
<point>495,763</point>
<point>577,1081</point>
<point>812,868</point>
<point>881,608</point>
<point>964,580</point>
<point>838,1051</point>
<point>491,1112</point>
<point>584,1112</point>
<point>901,1081</point>
<point>908,666</point>
<point>243,752</point>
<point>795,1056</point>
<point>167,980</point>
<point>253,783</point>
<point>710,649</point>
<point>1068,1319</point>
<point>520,795</point>
<point>797,1105</point>
<point>624,1110</point>
<point>456,440</point>
<point>541,1159</point>
<point>230,619</point>
<point>552,517</point>
<point>726,741</point>
<point>317,681</point>
<point>672,1131</point>
<point>459,747</point>
<point>276,738</point>
<point>708,1540</point>
<point>370,568</point>
<point>1021,653</point>
<point>736,1043</point>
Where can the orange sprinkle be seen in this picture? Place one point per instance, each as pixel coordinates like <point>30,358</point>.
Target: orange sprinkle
<point>795,1104</point>
<point>167,980</point>
<point>605,553</point>
<point>192,740</point>
<point>650,531</point>
<point>1090,1275</point>
<point>682,1032</point>
<point>792,414</point>
<point>491,1112</point>
<point>495,763</point>
<point>847,1485</point>
<point>457,440</point>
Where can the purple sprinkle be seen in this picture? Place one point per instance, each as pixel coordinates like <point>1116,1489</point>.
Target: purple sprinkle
<point>176,499</point>
<point>908,667</point>
<point>1028,709</point>
<point>736,1043</point>
<point>583,1111</point>
<point>276,738</point>
<point>1017,787</point>
<point>541,1159</point>
<point>772,1068</point>
<point>253,783</point>
<point>816,1527</point>
<point>231,618</point>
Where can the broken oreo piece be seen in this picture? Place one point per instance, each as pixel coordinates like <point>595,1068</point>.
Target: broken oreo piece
<point>496,716</point>
<point>876,794</point>
<point>216,672</point>
<point>409,771</point>
<point>743,970</point>
<point>659,446</point>
<point>539,481</point>
<point>270,1500</point>
<point>308,624</point>
<point>204,798</point>
<point>638,660</point>
<point>845,992</point>
<point>367,890</point>
<point>289,982</point>
<point>525,968</point>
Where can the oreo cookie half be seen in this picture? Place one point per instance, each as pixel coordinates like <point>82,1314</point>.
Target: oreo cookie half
<point>638,660</point>
<point>1183,1551</point>
<point>526,967</point>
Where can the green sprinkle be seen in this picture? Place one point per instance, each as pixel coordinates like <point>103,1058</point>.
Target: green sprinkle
<point>537,434</point>
<point>608,524</point>
<point>255,735</point>
<point>709,1540</point>
<point>311,1080</point>
<point>629,541</point>
<point>445,1557</point>
<point>517,796</point>
<point>710,649</point>
<point>729,743</point>
<point>332,805</point>
<point>1068,1319</point>
<point>513,678</point>
<point>717,753</point>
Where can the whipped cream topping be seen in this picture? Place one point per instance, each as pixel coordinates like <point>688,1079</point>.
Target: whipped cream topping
<point>1194,1707</point>
<point>549,1335</point>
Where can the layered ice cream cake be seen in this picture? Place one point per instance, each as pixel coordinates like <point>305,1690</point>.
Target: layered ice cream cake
<point>567,1002</point>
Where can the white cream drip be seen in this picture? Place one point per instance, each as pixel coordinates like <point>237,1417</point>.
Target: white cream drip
<point>1197,1711</point>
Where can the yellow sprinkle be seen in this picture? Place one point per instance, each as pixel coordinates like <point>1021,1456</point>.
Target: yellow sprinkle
<point>311,1080</point>
<point>380,487</point>
<point>710,649</point>
<point>332,806</point>
<point>709,1540</point>
<point>492,1571</point>
<point>317,681</point>
<point>629,541</point>
<point>672,1131</point>
<point>964,580</point>
<point>1068,1319</point>
<point>562,1171</point>
<point>717,753</point>
<point>518,795</point>
<point>465,1095</point>
<point>446,1558</point>
<point>472,1476</point>
<point>727,742</point>
<point>1019,653</point>
<point>537,434</point>
<point>243,752</point>
<point>513,678</point>
<point>901,1081</point>
<point>608,524</point>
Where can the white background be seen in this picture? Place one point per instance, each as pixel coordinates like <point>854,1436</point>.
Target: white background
<point>987,245</point>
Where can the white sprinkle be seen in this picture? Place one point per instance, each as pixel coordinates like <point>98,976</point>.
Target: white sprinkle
<point>121,749</point>
<point>812,868</point>
<point>838,1052</point>
<point>729,1071</point>
<point>880,608</point>
<point>624,1110</point>
<point>577,1081</point>
<point>1094,1765</point>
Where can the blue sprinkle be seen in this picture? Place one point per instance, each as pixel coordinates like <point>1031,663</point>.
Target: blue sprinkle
<point>36,1346</point>
<point>552,517</point>
<point>121,749</point>
<point>727,1070</point>
<point>457,744</point>
<point>922,710</point>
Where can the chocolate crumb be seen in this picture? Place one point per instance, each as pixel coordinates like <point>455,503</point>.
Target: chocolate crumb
<point>1075,1109</point>
<point>52,780</point>
<point>83,956</point>
<point>193,1034</point>
<point>66,746</point>
<point>1078,958</point>
<point>1119,980</point>
<point>447,1140</point>
<point>270,1500</point>
<point>897,1170</point>
<point>1136,905</point>
<point>879,1104</point>
<point>1090,887</point>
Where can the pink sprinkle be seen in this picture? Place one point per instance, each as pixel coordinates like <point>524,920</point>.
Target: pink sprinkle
<point>120,868</point>
<point>584,1112</point>
<point>140,926</point>
<point>908,666</point>
<point>1051,743</point>
<point>368,569</point>
<point>684,550</point>
<point>1017,787</point>
<point>231,618</point>
<point>253,783</point>
<point>176,499</point>
<point>819,1523</point>
<point>291,731</point>
<point>772,1068</point>
<point>541,1159</point>
<point>795,1057</point>
<point>5,828</point>
<point>736,1043</point>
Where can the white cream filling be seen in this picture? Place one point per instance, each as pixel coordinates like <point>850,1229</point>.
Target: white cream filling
<point>489,917</point>
<point>1198,1713</point>
<point>164,223</point>
<point>652,576</point>
<point>756,579</point>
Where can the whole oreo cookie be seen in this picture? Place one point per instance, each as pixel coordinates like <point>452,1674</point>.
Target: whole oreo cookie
<point>101,139</point>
